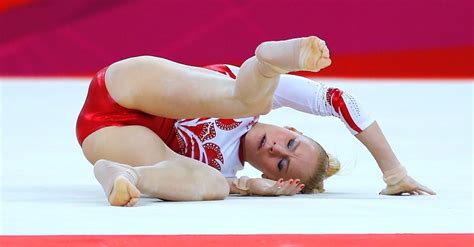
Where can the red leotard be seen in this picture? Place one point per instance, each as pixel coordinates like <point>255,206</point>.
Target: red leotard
<point>100,111</point>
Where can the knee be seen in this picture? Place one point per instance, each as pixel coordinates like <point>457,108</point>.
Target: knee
<point>257,107</point>
<point>140,60</point>
<point>126,80</point>
<point>266,106</point>
<point>132,68</point>
<point>261,107</point>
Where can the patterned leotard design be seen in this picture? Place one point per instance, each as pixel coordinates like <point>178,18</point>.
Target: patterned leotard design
<point>214,141</point>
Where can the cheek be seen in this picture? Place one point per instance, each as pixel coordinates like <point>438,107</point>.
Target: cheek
<point>268,164</point>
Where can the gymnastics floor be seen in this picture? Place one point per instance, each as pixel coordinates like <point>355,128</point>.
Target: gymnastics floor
<point>49,196</point>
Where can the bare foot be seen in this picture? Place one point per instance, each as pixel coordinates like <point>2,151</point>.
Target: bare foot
<point>314,54</point>
<point>118,181</point>
<point>124,193</point>
<point>307,54</point>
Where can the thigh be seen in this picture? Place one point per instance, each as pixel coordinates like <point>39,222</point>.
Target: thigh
<point>133,145</point>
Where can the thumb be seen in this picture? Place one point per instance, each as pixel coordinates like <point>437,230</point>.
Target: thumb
<point>387,191</point>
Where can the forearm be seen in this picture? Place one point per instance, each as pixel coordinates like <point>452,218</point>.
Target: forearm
<point>375,141</point>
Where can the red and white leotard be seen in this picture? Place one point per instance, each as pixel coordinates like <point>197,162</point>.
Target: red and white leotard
<point>213,141</point>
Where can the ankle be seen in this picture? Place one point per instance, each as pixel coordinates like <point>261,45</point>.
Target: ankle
<point>132,177</point>
<point>268,71</point>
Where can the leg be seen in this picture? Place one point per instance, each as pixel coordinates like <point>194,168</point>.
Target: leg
<point>158,172</point>
<point>165,88</point>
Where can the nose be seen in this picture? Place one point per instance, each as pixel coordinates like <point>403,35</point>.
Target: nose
<point>277,149</point>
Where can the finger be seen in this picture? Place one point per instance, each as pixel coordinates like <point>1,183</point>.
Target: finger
<point>426,189</point>
<point>287,187</point>
<point>281,186</point>
<point>292,192</point>
<point>297,187</point>
<point>291,184</point>
<point>421,192</point>
<point>284,186</point>
<point>277,186</point>
<point>413,193</point>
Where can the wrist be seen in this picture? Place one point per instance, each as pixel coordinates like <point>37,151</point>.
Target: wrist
<point>394,175</point>
<point>242,185</point>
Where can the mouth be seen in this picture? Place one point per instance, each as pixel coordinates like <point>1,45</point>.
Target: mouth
<point>262,142</point>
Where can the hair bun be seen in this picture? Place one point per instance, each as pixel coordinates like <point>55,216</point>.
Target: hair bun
<point>334,165</point>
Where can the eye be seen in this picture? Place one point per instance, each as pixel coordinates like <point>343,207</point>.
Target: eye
<point>282,164</point>
<point>291,143</point>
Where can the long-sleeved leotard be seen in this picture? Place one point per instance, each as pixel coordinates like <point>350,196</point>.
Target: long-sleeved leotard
<point>312,97</point>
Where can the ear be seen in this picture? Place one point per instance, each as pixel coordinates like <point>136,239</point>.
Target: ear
<point>293,129</point>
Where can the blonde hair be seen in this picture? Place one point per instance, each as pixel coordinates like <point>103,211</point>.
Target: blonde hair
<point>326,166</point>
<point>334,165</point>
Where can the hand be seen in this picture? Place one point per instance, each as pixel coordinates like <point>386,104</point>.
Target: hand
<point>267,187</point>
<point>407,185</point>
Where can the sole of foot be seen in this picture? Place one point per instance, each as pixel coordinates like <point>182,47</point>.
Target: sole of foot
<point>124,193</point>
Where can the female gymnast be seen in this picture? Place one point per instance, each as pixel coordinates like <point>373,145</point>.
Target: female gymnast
<point>150,125</point>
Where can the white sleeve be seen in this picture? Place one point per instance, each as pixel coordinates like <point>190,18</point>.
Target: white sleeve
<point>305,95</point>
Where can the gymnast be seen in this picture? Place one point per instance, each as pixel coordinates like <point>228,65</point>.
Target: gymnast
<point>181,133</point>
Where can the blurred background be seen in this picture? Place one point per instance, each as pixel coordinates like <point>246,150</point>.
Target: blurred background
<point>377,38</point>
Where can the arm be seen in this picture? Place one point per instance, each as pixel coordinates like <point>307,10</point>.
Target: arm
<point>315,98</point>
<point>394,174</point>
<point>305,95</point>
<point>373,138</point>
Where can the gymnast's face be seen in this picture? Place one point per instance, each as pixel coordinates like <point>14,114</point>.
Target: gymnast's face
<point>280,152</point>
